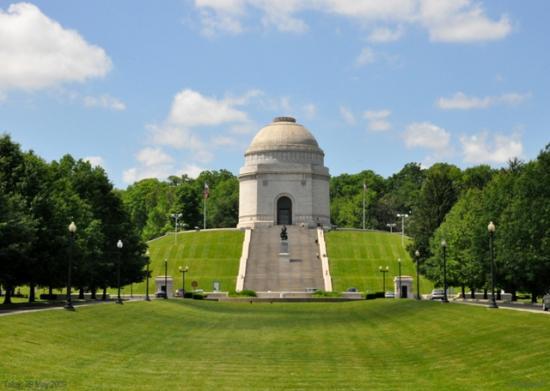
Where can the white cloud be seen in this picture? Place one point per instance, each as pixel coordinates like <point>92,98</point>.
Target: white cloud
<point>347,115</point>
<point>445,20</point>
<point>427,135</point>
<point>188,126</point>
<point>461,21</point>
<point>366,57</point>
<point>37,52</point>
<point>385,34</point>
<point>461,101</point>
<point>153,157</point>
<point>104,102</point>
<point>95,161</point>
<point>481,149</point>
<point>190,108</point>
<point>378,120</point>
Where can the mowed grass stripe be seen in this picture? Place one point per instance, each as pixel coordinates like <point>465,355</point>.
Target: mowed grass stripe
<point>379,344</point>
<point>355,256</point>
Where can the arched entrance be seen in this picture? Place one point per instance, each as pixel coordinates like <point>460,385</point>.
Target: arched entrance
<point>284,211</point>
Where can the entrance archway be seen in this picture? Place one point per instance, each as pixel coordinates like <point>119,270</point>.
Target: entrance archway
<point>284,211</point>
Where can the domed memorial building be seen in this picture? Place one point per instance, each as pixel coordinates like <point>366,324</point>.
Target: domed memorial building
<point>284,180</point>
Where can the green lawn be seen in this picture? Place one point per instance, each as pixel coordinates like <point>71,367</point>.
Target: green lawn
<point>355,256</point>
<point>210,255</point>
<point>196,345</point>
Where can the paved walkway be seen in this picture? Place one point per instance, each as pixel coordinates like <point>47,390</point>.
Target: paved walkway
<point>46,307</point>
<point>535,308</point>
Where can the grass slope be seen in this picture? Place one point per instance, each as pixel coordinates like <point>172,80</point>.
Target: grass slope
<point>354,258</point>
<point>175,344</point>
<point>210,255</point>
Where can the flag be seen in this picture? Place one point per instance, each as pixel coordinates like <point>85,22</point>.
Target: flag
<point>205,191</point>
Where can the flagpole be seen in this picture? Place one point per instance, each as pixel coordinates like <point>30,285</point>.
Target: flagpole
<point>364,191</point>
<point>205,197</point>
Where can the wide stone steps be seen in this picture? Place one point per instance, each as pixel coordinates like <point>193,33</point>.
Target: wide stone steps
<point>266,270</point>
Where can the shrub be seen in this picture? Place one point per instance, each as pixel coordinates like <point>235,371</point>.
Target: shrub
<point>244,292</point>
<point>198,296</point>
<point>326,294</point>
<point>375,295</point>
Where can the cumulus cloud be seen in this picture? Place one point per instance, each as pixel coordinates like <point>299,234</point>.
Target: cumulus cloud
<point>461,21</point>
<point>347,115</point>
<point>104,102</point>
<point>192,125</point>
<point>427,135</point>
<point>461,101</point>
<point>153,157</point>
<point>190,109</point>
<point>486,148</point>
<point>378,120</point>
<point>36,52</point>
<point>445,20</point>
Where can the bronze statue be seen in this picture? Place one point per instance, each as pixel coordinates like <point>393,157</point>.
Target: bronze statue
<point>284,235</point>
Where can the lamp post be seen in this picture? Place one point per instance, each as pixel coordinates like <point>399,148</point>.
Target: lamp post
<point>147,298</point>
<point>383,271</point>
<point>166,278</point>
<point>119,246</point>
<point>391,225</point>
<point>399,278</point>
<point>183,270</point>
<point>444,247</point>
<point>491,228</point>
<point>417,255</point>
<point>176,216</point>
<point>72,231</point>
<point>403,216</point>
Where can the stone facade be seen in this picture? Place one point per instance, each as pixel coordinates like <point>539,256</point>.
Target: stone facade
<point>284,180</point>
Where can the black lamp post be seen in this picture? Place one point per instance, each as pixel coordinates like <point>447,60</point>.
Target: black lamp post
<point>417,255</point>
<point>491,228</point>
<point>183,270</point>
<point>147,298</point>
<point>399,278</point>
<point>383,271</point>
<point>166,278</point>
<point>72,231</point>
<point>119,246</point>
<point>444,246</point>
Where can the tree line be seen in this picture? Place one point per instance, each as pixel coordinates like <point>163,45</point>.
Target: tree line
<point>38,201</point>
<point>516,199</point>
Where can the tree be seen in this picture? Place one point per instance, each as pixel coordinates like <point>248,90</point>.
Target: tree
<point>438,194</point>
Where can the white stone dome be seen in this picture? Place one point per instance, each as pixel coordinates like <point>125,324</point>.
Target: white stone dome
<point>283,134</point>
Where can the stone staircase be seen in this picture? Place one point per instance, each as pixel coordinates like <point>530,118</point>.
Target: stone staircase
<point>266,270</point>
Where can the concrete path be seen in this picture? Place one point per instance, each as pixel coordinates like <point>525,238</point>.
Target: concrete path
<point>507,306</point>
<point>25,310</point>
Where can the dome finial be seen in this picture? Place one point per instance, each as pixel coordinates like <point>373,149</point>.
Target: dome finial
<point>284,119</point>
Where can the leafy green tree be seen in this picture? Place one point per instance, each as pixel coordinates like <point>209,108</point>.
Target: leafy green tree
<point>437,196</point>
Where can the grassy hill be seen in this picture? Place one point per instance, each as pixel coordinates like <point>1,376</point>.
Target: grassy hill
<point>177,344</point>
<point>355,256</point>
<point>210,255</point>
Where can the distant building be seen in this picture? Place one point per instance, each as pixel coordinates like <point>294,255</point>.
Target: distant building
<point>284,180</point>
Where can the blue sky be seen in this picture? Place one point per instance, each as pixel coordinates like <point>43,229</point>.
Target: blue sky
<point>148,88</point>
